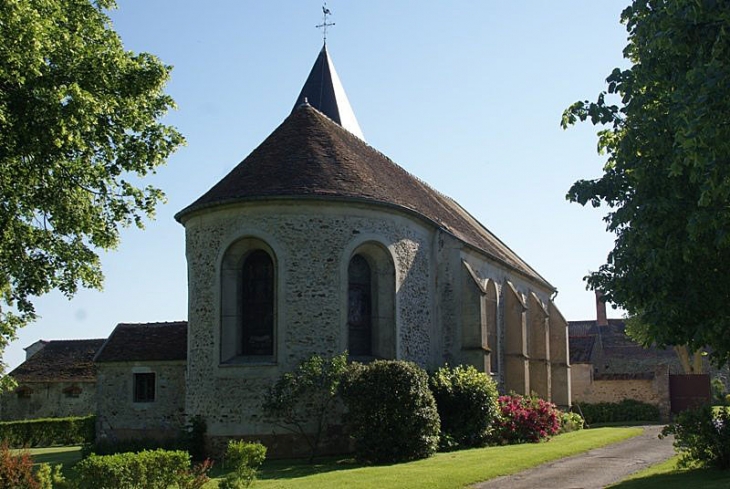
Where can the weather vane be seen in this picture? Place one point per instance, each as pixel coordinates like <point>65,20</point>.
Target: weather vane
<point>324,25</point>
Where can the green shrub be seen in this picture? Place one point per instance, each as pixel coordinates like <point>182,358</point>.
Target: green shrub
<point>305,401</point>
<point>391,412</point>
<point>16,471</point>
<point>48,431</point>
<point>628,410</point>
<point>571,422</point>
<point>245,459</point>
<point>466,400</point>
<point>194,438</point>
<point>717,386</point>
<point>156,469</point>
<point>525,419</point>
<point>50,477</point>
<point>702,437</point>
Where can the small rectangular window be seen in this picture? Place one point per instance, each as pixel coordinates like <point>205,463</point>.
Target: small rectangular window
<point>72,391</point>
<point>144,387</point>
<point>24,392</point>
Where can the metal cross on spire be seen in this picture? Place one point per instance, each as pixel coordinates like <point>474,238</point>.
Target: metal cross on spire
<point>324,25</point>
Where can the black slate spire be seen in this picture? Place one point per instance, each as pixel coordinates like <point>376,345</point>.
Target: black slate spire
<point>323,91</point>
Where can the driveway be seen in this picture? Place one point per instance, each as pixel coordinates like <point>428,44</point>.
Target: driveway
<point>594,469</point>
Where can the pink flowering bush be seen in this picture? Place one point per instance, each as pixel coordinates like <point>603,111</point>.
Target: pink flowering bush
<point>525,420</point>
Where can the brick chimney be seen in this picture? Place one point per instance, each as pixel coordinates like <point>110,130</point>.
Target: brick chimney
<point>601,319</point>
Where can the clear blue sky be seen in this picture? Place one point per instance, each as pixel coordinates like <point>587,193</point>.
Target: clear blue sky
<point>465,95</point>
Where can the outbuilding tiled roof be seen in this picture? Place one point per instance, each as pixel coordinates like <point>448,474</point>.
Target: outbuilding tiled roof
<point>151,342</point>
<point>310,157</point>
<point>581,349</point>
<point>60,361</point>
<point>615,351</point>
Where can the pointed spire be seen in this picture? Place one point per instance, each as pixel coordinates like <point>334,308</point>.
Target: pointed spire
<point>323,90</point>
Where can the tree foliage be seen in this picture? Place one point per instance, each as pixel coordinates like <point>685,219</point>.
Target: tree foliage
<point>79,125</point>
<point>305,401</point>
<point>667,178</point>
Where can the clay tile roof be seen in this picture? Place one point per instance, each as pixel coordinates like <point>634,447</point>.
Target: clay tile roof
<point>146,342</point>
<point>60,360</point>
<point>309,156</point>
<point>581,348</point>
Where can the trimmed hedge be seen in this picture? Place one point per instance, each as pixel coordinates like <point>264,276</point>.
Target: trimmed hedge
<point>158,469</point>
<point>48,432</point>
<point>628,410</point>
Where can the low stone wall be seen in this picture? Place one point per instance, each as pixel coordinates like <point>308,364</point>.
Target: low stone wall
<point>48,400</point>
<point>648,387</point>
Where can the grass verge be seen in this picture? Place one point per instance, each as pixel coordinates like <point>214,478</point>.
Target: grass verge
<point>442,471</point>
<point>668,476</point>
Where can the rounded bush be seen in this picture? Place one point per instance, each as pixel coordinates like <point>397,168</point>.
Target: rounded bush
<point>571,422</point>
<point>525,420</point>
<point>467,405</point>
<point>702,437</point>
<point>391,412</point>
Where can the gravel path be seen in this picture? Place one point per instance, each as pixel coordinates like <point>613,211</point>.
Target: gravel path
<point>594,469</point>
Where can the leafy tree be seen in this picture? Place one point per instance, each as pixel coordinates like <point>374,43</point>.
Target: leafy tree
<point>305,401</point>
<point>79,125</point>
<point>667,178</point>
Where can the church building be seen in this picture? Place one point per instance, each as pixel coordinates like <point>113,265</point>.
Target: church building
<point>318,243</point>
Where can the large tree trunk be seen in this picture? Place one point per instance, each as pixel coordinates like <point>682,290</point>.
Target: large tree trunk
<point>691,361</point>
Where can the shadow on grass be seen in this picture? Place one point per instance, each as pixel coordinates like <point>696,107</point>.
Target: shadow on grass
<point>704,478</point>
<point>293,469</point>
<point>54,456</point>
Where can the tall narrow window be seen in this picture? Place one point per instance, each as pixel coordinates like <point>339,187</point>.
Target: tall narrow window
<point>359,307</point>
<point>257,304</point>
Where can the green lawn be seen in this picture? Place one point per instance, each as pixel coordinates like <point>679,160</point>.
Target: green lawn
<point>668,476</point>
<point>444,470</point>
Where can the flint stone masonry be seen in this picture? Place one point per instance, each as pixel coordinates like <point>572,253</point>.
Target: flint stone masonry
<point>119,417</point>
<point>312,245</point>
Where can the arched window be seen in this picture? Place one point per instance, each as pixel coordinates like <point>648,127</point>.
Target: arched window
<point>257,305</point>
<point>359,307</point>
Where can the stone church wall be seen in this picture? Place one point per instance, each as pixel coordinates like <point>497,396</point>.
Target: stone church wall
<point>120,417</point>
<point>48,400</point>
<point>312,245</point>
